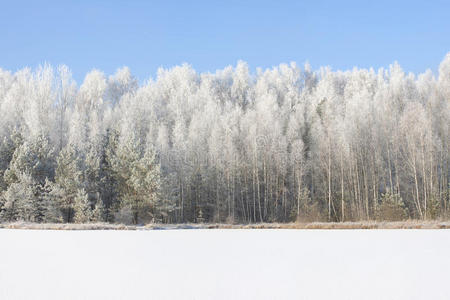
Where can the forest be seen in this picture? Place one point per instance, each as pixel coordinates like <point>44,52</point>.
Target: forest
<point>278,145</point>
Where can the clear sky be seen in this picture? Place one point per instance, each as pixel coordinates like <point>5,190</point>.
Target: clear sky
<point>210,35</point>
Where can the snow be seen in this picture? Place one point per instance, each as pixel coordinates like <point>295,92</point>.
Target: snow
<point>225,264</point>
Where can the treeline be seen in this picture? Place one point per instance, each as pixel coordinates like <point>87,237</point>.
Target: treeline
<point>280,145</point>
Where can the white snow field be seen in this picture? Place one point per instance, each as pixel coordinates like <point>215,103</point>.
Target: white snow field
<point>225,264</point>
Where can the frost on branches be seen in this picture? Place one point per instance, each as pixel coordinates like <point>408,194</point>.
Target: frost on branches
<point>280,145</point>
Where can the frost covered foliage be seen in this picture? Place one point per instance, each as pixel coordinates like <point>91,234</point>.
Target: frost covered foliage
<point>279,145</point>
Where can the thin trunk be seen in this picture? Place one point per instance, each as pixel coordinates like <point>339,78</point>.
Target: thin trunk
<point>424,181</point>
<point>342,188</point>
<point>417,188</point>
<point>390,170</point>
<point>329,179</point>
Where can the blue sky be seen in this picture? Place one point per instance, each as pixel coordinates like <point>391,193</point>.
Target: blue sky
<point>210,35</point>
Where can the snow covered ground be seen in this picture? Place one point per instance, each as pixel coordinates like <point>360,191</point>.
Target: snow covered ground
<point>225,264</point>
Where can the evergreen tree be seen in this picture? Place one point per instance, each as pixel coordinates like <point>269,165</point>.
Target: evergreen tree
<point>137,175</point>
<point>7,148</point>
<point>277,145</point>
<point>82,207</point>
<point>52,210</point>
<point>34,157</point>
<point>31,166</point>
<point>108,185</point>
<point>68,180</point>
<point>20,201</point>
<point>99,213</point>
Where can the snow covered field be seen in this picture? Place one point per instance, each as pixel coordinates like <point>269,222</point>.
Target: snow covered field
<point>225,264</point>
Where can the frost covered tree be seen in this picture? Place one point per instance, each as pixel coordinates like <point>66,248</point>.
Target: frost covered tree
<point>25,200</point>
<point>137,174</point>
<point>30,169</point>
<point>279,144</point>
<point>20,201</point>
<point>7,149</point>
<point>68,180</point>
<point>82,207</point>
<point>34,157</point>
<point>99,212</point>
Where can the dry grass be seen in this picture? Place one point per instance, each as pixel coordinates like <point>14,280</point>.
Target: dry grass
<point>66,226</point>
<point>344,225</point>
<point>411,224</point>
<point>377,225</point>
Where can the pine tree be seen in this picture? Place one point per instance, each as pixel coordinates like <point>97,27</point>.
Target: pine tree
<point>7,148</point>
<point>233,145</point>
<point>108,185</point>
<point>137,175</point>
<point>145,181</point>
<point>20,201</point>
<point>32,164</point>
<point>391,208</point>
<point>82,207</point>
<point>91,173</point>
<point>99,213</point>
<point>52,211</point>
<point>68,180</point>
<point>34,157</point>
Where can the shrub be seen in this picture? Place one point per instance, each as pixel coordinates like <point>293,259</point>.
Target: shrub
<point>309,210</point>
<point>391,208</point>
